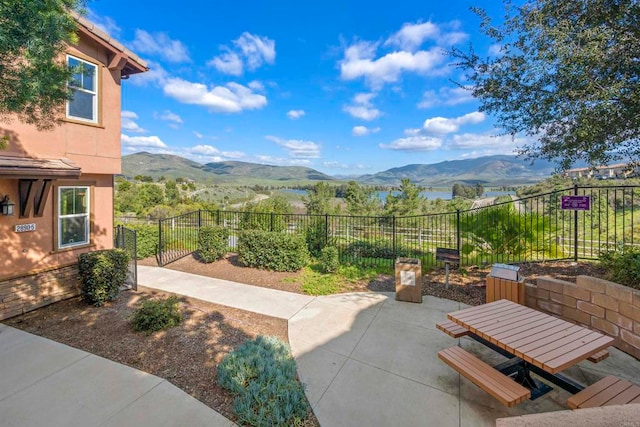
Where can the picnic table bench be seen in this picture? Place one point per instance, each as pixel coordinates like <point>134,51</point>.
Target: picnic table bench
<point>531,340</point>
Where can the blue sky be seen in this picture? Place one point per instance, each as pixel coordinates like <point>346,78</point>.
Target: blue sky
<point>349,87</point>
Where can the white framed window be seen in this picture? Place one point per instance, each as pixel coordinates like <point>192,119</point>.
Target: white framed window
<point>84,85</point>
<point>73,216</point>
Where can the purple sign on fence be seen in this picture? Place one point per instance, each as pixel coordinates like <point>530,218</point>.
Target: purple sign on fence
<point>576,203</point>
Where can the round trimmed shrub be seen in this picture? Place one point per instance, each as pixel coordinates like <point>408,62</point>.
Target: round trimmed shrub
<point>212,243</point>
<point>329,259</point>
<point>102,274</point>
<point>156,315</point>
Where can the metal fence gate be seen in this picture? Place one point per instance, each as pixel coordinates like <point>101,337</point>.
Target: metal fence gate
<point>125,238</point>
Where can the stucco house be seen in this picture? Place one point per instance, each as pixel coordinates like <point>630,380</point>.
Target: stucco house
<point>59,184</point>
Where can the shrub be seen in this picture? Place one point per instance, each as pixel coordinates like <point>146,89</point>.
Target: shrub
<point>212,243</point>
<point>329,260</point>
<point>262,375</point>
<point>156,315</point>
<point>622,266</point>
<point>102,274</point>
<point>316,235</point>
<point>376,249</point>
<point>146,239</point>
<point>272,250</point>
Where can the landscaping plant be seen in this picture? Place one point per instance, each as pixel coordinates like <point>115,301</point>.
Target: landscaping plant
<point>262,375</point>
<point>329,259</point>
<point>212,243</point>
<point>622,266</point>
<point>272,250</point>
<point>156,315</point>
<point>102,274</point>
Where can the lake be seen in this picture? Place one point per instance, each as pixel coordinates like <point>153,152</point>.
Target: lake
<point>429,195</point>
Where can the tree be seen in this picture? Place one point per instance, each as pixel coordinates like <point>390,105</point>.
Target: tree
<point>361,200</point>
<point>406,202</point>
<point>567,75</point>
<point>33,71</point>
<point>318,200</point>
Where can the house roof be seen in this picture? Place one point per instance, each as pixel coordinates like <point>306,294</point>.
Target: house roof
<point>30,167</point>
<point>128,62</point>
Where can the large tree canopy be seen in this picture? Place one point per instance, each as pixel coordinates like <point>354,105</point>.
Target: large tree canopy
<point>567,76</point>
<point>33,73</point>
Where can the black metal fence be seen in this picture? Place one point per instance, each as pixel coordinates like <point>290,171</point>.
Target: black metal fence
<point>125,238</point>
<point>534,228</point>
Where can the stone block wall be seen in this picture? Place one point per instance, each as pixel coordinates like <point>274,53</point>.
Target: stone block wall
<point>22,294</point>
<point>605,306</point>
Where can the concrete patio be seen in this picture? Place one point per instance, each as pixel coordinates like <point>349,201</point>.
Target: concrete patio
<point>367,359</point>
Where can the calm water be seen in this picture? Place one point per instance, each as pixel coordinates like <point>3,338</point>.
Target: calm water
<point>429,195</point>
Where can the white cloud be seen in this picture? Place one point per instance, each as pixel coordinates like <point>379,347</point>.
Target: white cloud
<point>295,114</point>
<point>205,150</point>
<point>234,154</point>
<point>198,134</point>
<point>501,144</point>
<point>168,116</point>
<point>362,107</point>
<point>363,130</point>
<point>495,49</point>
<point>155,75</point>
<point>412,36</point>
<point>359,61</point>
<point>297,149</point>
<point>231,98</point>
<point>446,96</point>
<point>228,62</point>
<point>442,125</point>
<point>142,141</point>
<point>161,45</point>
<point>105,23</point>
<point>412,132</point>
<point>127,122</point>
<point>249,50</point>
<point>256,85</point>
<point>414,143</point>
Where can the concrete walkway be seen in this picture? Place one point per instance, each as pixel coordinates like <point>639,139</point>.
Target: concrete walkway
<point>45,383</point>
<point>367,359</point>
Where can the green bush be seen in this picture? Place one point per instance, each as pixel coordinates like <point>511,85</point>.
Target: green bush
<point>156,315</point>
<point>212,243</point>
<point>146,239</point>
<point>262,375</point>
<point>622,266</point>
<point>316,235</point>
<point>102,274</point>
<point>329,259</point>
<point>272,250</point>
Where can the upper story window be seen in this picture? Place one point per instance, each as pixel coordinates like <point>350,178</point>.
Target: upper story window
<point>84,85</point>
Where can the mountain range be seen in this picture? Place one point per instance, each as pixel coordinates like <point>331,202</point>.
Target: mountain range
<point>489,170</point>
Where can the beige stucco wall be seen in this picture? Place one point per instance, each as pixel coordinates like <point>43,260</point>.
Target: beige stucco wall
<point>33,251</point>
<point>93,147</point>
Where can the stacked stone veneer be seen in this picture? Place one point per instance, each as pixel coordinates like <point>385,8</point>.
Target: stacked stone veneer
<point>22,294</point>
<point>601,305</point>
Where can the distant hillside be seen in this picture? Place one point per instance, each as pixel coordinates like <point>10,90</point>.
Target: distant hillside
<point>170,166</point>
<point>488,170</point>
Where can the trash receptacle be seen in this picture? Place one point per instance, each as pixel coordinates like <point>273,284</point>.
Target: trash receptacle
<point>408,280</point>
<point>504,282</point>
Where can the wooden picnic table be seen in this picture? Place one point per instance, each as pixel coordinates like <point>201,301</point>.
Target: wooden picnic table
<point>538,338</point>
<point>535,341</point>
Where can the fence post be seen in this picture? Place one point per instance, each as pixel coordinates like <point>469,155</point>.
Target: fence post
<point>271,222</point>
<point>160,263</point>
<point>458,239</point>
<point>218,217</point>
<point>393,235</point>
<point>575,227</point>
<point>199,218</point>
<point>326,229</point>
